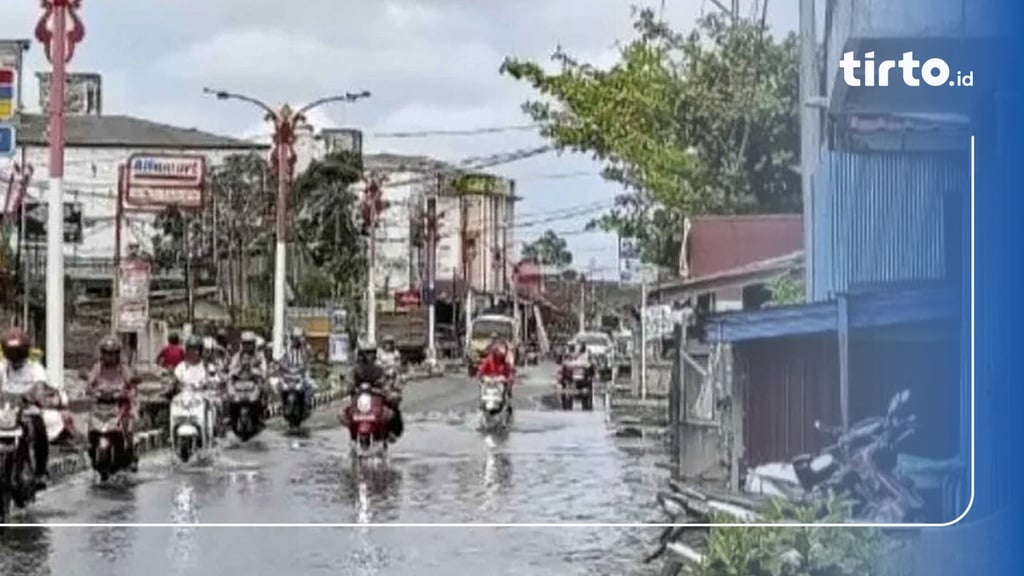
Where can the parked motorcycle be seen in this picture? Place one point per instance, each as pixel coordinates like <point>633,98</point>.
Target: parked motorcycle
<point>108,439</point>
<point>244,405</point>
<point>367,422</point>
<point>192,423</point>
<point>862,463</point>
<point>495,410</point>
<point>292,386</point>
<point>577,382</point>
<point>17,481</point>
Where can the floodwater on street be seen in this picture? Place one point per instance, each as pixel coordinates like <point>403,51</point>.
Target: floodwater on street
<point>553,467</point>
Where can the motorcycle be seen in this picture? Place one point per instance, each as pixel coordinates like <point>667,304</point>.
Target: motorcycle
<point>192,425</point>
<point>367,422</point>
<point>577,381</point>
<point>108,440</point>
<point>244,406</point>
<point>862,463</point>
<point>17,476</point>
<point>292,385</point>
<point>494,407</point>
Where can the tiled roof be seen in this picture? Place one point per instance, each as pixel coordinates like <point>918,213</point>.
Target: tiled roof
<point>126,132</point>
<point>718,244</point>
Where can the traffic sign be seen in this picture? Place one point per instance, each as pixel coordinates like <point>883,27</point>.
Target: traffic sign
<point>8,85</point>
<point>8,141</point>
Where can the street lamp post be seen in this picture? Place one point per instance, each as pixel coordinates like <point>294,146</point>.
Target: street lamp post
<point>59,30</point>
<point>285,121</point>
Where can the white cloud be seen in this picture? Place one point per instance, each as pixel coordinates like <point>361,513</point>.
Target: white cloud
<point>431,64</point>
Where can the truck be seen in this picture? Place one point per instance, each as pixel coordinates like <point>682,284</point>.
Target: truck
<point>410,330</point>
<point>483,329</point>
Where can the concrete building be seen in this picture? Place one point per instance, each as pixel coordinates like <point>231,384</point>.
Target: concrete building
<point>476,219</point>
<point>96,145</point>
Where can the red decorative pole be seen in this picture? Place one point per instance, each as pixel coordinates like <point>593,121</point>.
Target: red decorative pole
<point>282,161</point>
<point>59,30</point>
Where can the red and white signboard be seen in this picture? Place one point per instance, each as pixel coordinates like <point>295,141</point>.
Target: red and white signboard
<point>133,295</point>
<point>165,180</point>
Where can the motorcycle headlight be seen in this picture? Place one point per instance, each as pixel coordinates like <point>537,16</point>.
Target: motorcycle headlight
<point>364,403</point>
<point>8,419</point>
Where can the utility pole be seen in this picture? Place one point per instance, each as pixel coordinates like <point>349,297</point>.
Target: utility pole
<point>21,177</point>
<point>810,118</point>
<point>432,273</point>
<point>59,29</point>
<point>583,303</point>
<point>115,292</point>
<point>373,205</point>
<point>285,120</point>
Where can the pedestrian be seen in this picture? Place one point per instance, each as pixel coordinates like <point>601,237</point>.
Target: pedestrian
<point>172,354</point>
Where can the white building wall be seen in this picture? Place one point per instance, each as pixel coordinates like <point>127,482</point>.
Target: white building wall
<point>90,176</point>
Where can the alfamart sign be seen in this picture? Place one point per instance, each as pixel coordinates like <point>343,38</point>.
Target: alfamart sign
<point>164,180</point>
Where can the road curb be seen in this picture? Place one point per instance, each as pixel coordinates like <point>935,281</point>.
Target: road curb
<point>152,440</point>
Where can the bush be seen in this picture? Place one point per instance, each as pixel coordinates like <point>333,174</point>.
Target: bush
<point>794,551</point>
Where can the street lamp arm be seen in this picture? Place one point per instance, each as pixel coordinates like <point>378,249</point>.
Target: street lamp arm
<point>347,97</point>
<point>222,95</point>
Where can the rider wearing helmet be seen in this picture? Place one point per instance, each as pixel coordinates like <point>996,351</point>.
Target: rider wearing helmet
<point>388,355</point>
<point>296,358</point>
<point>111,376</point>
<point>24,377</point>
<point>192,372</point>
<point>368,370</point>
<point>249,357</point>
<point>498,364</point>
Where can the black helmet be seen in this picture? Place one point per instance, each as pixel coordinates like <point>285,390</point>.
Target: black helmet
<point>194,342</point>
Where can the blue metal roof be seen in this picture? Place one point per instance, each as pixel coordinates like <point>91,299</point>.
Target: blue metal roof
<point>864,310</point>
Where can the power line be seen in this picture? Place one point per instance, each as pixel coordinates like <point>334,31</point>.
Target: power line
<point>464,132</point>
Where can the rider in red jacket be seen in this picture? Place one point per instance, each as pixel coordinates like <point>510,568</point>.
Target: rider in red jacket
<point>497,363</point>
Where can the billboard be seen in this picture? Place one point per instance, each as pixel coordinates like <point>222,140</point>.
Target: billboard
<point>629,260</point>
<point>133,295</point>
<point>165,180</point>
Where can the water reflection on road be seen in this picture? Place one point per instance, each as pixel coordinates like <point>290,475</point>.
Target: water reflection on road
<point>553,467</point>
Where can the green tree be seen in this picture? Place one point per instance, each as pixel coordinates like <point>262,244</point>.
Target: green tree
<point>787,290</point>
<point>704,123</point>
<point>326,228</point>
<point>550,249</point>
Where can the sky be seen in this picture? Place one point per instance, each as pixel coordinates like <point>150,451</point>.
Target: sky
<point>430,65</point>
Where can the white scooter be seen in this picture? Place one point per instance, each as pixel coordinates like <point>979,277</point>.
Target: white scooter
<point>193,421</point>
<point>495,412</point>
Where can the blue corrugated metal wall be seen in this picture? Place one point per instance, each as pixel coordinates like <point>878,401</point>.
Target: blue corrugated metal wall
<point>878,217</point>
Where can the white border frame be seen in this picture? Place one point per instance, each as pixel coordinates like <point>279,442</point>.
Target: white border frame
<point>967,510</point>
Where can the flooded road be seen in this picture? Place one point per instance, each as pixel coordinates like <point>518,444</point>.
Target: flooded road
<point>553,467</point>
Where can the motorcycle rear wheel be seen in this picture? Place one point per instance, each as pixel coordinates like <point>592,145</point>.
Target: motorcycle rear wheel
<point>185,450</point>
<point>6,488</point>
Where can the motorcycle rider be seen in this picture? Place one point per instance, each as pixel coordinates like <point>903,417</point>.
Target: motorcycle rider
<point>248,357</point>
<point>194,374</point>
<point>111,375</point>
<point>20,375</point>
<point>367,369</point>
<point>389,357</point>
<point>498,364</point>
<point>297,357</point>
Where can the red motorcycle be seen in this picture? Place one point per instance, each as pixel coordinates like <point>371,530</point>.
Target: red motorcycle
<point>367,417</point>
